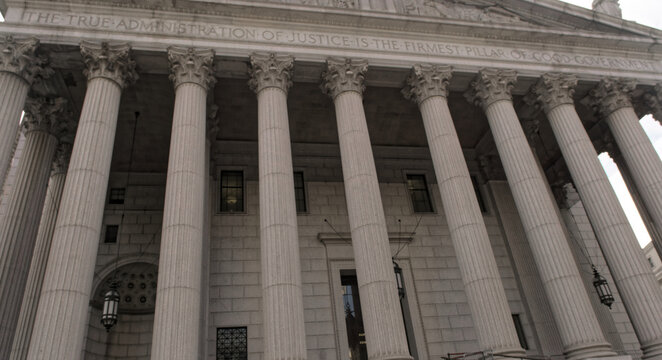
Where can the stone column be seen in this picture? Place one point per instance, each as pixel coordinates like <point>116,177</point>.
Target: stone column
<point>580,332</point>
<point>62,311</point>
<point>636,283</point>
<point>18,67</point>
<point>385,332</point>
<point>282,305</point>
<point>177,314</point>
<point>42,126</point>
<point>42,248</point>
<point>428,86</point>
<point>611,99</point>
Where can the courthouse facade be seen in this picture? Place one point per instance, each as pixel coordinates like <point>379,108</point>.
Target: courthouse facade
<point>325,179</point>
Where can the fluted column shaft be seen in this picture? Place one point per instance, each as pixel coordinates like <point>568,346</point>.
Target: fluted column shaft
<point>636,283</point>
<point>38,265</point>
<point>18,231</point>
<point>480,274</point>
<point>177,314</point>
<point>578,326</point>
<point>642,160</point>
<point>284,328</point>
<point>382,315</point>
<point>14,94</point>
<point>61,318</point>
<point>18,66</point>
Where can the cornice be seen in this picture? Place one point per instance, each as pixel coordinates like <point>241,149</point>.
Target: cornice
<point>389,22</point>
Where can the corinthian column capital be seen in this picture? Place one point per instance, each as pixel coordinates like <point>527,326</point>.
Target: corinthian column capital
<point>18,56</point>
<point>610,95</point>
<point>270,70</point>
<point>490,86</point>
<point>343,75</point>
<point>552,90</point>
<point>190,65</point>
<point>47,115</point>
<point>110,61</point>
<point>426,81</point>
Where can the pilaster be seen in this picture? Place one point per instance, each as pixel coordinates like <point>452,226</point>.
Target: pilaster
<point>284,327</point>
<point>385,336</point>
<point>428,86</point>
<point>577,324</point>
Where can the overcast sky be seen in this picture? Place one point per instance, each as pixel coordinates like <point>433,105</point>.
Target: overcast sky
<point>647,12</point>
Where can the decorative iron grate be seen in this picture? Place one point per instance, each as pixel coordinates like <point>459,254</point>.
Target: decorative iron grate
<point>231,343</point>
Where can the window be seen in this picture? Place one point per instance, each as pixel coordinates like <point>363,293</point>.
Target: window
<point>520,332</point>
<point>116,196</point>
<point>231,343</point>
<point>650,261</point>
<point>481,202</point>
<point>299,192</point>
<point>232,191</point>
<point>111,234</point>
<point>420,196</point>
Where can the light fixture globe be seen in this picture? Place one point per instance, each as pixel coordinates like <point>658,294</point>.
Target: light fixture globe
<point>602,287</point>
<point>111,302</point>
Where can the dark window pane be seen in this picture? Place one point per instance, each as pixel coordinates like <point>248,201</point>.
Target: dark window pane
<point>231,343</point>
<point>116,196</point>
<point>420,196</point>
<point>520,332</point>
<point>481,202</point>
<point>299,192</point>
<point>111,234</point>
<point>232,191</point>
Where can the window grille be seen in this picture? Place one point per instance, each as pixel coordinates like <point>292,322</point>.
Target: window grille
<point>117,196</point>
<point>232,191</point>
<point>420,196</point>
<point>111,234</point>
<point>231,343</point>
<point>300,192</point>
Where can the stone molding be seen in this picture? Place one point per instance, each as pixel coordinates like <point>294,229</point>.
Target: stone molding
<point>270,70</point>
<point>427,80</point>
<point>191,65</point>
<point>610,95</point>
<point>490,86</point>
<point>18,56</point>
<point>62,157</point>
<point>110,61</point>
<point>46,114</point>
<point>552,90</point>
<point>343,75</point>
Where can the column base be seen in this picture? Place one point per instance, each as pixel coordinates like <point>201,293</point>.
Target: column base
<point>652,351</point>
<point>396,357</point>
<point>595,351</point>
<point>614,357</point>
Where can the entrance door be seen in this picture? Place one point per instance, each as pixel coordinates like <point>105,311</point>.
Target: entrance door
<point>353,318</point>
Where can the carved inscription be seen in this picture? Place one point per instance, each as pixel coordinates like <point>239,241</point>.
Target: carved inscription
<point>320,39</point>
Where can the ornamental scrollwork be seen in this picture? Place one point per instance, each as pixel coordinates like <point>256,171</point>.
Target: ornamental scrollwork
<point>490,86</point>
<point>552,90</point>
<point>611,94</point>
<point>270,70</point>
<point>48,115</point>
<point>110,61</point>
<point>426,80</point>
<point>19,56</point>
<point>191,65</point>
<point>344,75</point>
